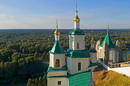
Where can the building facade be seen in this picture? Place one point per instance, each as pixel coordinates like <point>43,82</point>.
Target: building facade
<point>74,67</point>
<point>108,51</point>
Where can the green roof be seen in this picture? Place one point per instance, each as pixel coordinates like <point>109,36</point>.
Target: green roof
<point>50,69</point>
<point>57,49</point>
<point>78,53</point>
<point>93,64</point>
<point>76,32</point>
<point>107,40</point>
<point>80,79</point>
<point>91,50</point>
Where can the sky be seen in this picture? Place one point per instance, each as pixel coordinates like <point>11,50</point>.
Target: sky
<point>42,14</point>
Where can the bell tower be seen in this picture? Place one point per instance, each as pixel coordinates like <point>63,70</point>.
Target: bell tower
<point>76,36</point>
<point>77,55</point>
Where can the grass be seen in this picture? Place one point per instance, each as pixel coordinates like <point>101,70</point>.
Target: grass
<point>111,78</point>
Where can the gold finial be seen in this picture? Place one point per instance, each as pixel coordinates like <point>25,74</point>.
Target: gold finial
<point>76,18</point>
<point>56,33</point>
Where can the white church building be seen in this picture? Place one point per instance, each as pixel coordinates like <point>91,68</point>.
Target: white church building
<point>74,67</point>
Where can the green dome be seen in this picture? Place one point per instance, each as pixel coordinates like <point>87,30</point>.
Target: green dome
<point>92,50</point>
<point>77,32</point>
<point>78,54</point>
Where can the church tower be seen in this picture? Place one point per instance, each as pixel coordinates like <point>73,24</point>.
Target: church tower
<point>57,71</point>
<point>77,55</point>
<point>76,36</point>
<point>108,51</point>
<point>77,68</point>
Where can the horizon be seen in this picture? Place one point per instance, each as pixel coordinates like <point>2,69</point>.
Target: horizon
<point>42,14</point>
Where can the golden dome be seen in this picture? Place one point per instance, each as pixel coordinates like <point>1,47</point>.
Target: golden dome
<point>57,33</point>
<point>76,18</point>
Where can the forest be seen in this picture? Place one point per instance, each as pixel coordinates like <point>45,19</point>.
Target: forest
<point>24,54</point>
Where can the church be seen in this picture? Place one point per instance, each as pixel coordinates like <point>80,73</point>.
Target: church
<point>72,67</point>
<point>75,66</point>
<point>108,51</point>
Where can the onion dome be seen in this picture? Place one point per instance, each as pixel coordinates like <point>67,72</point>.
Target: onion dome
<point>76,18</point>
<point>57,32</point>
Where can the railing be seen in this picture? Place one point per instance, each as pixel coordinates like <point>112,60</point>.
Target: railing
<point>123,64</point>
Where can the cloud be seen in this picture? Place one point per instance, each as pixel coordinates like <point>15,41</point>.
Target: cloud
<point>89,21</point>
<point>3,16</point>
<point>10,22</point>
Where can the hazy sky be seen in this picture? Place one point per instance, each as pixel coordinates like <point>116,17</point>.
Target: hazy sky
<point>41,14</point>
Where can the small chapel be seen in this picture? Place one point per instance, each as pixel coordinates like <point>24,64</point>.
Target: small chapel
<point>72,67</point>
<point>108,51</point>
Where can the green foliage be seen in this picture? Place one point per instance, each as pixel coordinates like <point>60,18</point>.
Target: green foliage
<point>41,81</point>
<point>24,53</point>
<point>127,58</point>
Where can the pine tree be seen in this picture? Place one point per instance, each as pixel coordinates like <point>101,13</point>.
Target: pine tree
<point>29,82</point>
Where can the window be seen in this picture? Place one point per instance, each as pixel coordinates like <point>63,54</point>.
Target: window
<point>57,63</point>
<point>59,82</point>
<point>77,45</point>
<point>79,66</point>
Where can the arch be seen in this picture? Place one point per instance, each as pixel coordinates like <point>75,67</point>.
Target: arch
<point>77,45</point>
<point>57,63</point>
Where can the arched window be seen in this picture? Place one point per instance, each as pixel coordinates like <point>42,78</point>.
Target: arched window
<point>77,45</point>
<point>57,63</point>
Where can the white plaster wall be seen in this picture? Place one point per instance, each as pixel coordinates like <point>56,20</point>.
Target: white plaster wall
<point>54,81</point>
<point>76,24</point>
<point>97,54</point>
<point>69,64</point>
<point>73,66</point>
<point>57,73</point>
<point>123,70</point>
<point>57,37</point>
<point>73,42</point>
<point>112,54</point>
<point>93,57</point>
<point>100,52</point>
<point>53,58</point>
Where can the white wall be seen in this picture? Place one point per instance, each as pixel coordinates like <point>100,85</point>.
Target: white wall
<point>57,73</point>
<point>123,70</point>
<point>112,55</point>
<point>73,39</point>
<point>100,53</point>
<point>72,64</point>
<point>53,58</point>
<point>54,81</point>
<point>76,24</point>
